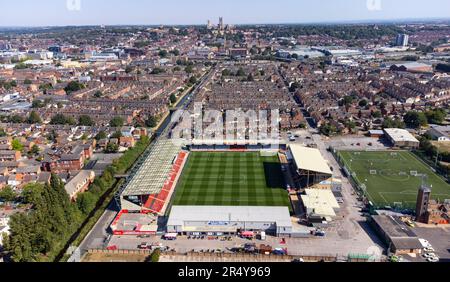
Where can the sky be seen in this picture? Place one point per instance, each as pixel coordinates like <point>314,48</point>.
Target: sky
<point>178,12</point>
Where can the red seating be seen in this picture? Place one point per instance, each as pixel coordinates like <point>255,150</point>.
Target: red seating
<point>155,203</point>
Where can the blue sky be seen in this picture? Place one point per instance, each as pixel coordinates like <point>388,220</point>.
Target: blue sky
<point>96,12</point>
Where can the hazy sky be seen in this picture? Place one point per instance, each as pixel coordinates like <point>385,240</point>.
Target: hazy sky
<point>96,12</point>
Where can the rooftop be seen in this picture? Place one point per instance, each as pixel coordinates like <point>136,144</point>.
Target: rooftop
<point>211,214</point>
<point>309,159</point>
<point>400,135</point>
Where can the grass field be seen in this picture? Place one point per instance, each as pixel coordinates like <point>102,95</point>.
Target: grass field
<point>231,179</point>
<point>390,177</point>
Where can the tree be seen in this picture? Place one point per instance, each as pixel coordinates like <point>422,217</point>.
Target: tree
<point>154,257</point>
<point>34,150</point>
<point>101,135</point>
<point>111,148</point>
<point>226,72</point>
<point>85,120</point>
<point>240,72</point>
<point>37,104</point>
<point>116,135</point>
<point>436,116</point>
<point>74,86</point>
<point>58,119</point>
<point>328,129</point>
<point>7,194</point>
<point>173,99</point>
<point>415,119</point>
<point>192,80</point>
<point>2,133</point>
<point>189,69</point>
<point>86,202</point>
<point>98,94</point>
<point>363,103</point>
<point>34,118</point>
<point>128,69</point>
<point>16,119</point>
<point>163,53</point>
<point>151,122</point>
<point>116,122</point>
<point>27,82</point>
<point>16,145</point>
<point>390,123</point>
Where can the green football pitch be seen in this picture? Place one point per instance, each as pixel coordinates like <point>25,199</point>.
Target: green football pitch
<point>393,178</point>
<point>231,179</point>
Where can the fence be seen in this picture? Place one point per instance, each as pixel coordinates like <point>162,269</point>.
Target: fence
<point>230,256</point>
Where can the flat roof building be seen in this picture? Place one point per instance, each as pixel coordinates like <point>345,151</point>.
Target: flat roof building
<point>218,220</point>
<point>320,202</point>
<point>397,235</point>
<point>401,138</point>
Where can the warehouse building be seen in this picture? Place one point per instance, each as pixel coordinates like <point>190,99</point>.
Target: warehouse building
<point>401,138</point>
<point>399,238</point>
<point>229,220</point>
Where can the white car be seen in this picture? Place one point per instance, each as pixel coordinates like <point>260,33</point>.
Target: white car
<point>433,259</point>
<point>429,255</point>
<point>429,249</point>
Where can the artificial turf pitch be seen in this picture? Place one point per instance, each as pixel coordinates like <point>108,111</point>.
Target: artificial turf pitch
<point>231,179</point>
<point>392,180</point>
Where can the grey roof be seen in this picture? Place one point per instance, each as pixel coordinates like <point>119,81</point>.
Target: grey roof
<point>393,226</point>
<point>279,215</point>
<point>406,243</point>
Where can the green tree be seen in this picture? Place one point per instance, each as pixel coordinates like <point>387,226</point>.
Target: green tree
<point>27,82</point>
<point>151,122</point>
<point>101,135</point>
<point>73,86</point>
<point>7,194</point>
<point>415,119</point>
<point>173,99</point>
<point>98,94</point>
<point>116,122</point>
<point>34,118</point>
<point>86,202</point>
<point>85,120</point>
<point>17,145</point>
<point>111,148</point>
<point>34,150</point>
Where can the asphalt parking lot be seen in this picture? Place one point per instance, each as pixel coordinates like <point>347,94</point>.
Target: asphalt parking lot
<point>439,238</point>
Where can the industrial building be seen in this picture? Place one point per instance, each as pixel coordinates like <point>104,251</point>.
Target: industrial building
<point>399,238</point>
<point>401,138</point>
<point>229,220</point>
<point>310,166</point>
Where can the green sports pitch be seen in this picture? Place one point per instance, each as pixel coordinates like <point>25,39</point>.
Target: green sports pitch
<point>393,178</point>
<point>231,179</point>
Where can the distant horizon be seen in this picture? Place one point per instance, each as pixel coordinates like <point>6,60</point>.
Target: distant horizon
<point>343,22</point>
<point>61,13</point>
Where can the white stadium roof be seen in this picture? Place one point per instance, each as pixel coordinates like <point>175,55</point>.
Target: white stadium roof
<point>310,159</point>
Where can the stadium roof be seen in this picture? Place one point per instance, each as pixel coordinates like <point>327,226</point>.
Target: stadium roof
<point>150,176</point>
<point>309,159</point>
<point>224,214</point>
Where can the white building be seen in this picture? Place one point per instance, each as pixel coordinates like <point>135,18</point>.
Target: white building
<point>401,138</point>
<point>220,220</point>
